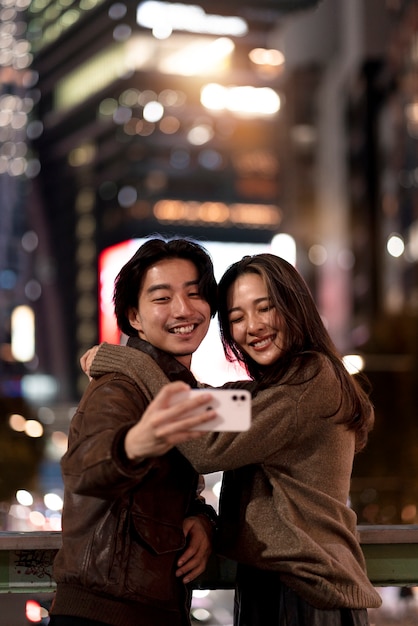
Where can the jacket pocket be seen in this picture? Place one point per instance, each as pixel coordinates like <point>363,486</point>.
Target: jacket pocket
<point>107,551</point>
<point>152,562</point>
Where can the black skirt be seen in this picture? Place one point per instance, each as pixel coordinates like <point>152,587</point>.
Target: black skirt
<point>261,599</point>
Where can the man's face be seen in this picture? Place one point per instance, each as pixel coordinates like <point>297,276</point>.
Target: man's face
<point>171,314</point>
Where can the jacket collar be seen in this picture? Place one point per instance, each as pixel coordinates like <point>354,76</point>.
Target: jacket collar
<point>170,366</point>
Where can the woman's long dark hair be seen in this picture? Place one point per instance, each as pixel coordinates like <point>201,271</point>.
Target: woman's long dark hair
<point>304,334</point>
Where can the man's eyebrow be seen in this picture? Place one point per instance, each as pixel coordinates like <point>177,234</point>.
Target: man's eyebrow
<point>153,288</point>
<point>192,283</point>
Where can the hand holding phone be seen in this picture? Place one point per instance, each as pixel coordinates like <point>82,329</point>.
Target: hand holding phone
<point>232,406</point>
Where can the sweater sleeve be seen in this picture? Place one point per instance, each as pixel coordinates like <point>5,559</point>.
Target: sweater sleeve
<point>274,425</point>
<point>131,362</point>
<point>282,416</point>
<point>110,358</point>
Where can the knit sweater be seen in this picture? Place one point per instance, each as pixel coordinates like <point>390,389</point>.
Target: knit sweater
<point>283,504</point>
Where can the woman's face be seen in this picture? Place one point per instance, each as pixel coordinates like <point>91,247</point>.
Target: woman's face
<point>255,324</point>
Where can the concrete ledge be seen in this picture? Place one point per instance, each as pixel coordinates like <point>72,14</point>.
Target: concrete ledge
<point>26,559</point>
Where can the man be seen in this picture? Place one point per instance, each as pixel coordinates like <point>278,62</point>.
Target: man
<point>134,528</point>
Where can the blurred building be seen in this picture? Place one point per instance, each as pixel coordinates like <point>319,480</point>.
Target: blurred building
<point>134,123</point>
<point>128,147</point>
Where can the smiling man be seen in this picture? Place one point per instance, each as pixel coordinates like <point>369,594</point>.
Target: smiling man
<point>171,313</point>
<point>135,529</point>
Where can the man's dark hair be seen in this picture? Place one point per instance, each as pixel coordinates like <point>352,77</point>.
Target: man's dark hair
<point>128,282</point>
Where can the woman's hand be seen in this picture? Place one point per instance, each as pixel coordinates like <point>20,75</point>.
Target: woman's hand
<point>163,424</point>
<point>199,534</point>
<point>87,359</point>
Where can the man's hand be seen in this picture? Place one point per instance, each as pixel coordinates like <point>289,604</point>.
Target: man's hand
<point>198,531</point>
<point>163,425</point>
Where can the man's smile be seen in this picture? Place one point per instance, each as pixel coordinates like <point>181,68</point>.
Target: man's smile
<point>183,330</point>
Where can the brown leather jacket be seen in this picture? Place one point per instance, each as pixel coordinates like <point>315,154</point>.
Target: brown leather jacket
<point>122,522</point>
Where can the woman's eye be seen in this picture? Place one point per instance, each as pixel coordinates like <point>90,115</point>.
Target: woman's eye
<point>235,320</point>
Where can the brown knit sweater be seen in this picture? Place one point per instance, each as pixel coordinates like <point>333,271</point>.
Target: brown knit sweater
<point>283,504</point>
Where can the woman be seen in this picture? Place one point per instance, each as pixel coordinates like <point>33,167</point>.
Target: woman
<point>283,507</point>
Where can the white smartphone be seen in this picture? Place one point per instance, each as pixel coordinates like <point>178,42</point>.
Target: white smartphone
<point>233,408</point>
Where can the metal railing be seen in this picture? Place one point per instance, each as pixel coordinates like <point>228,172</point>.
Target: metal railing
<point>26,559</point>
